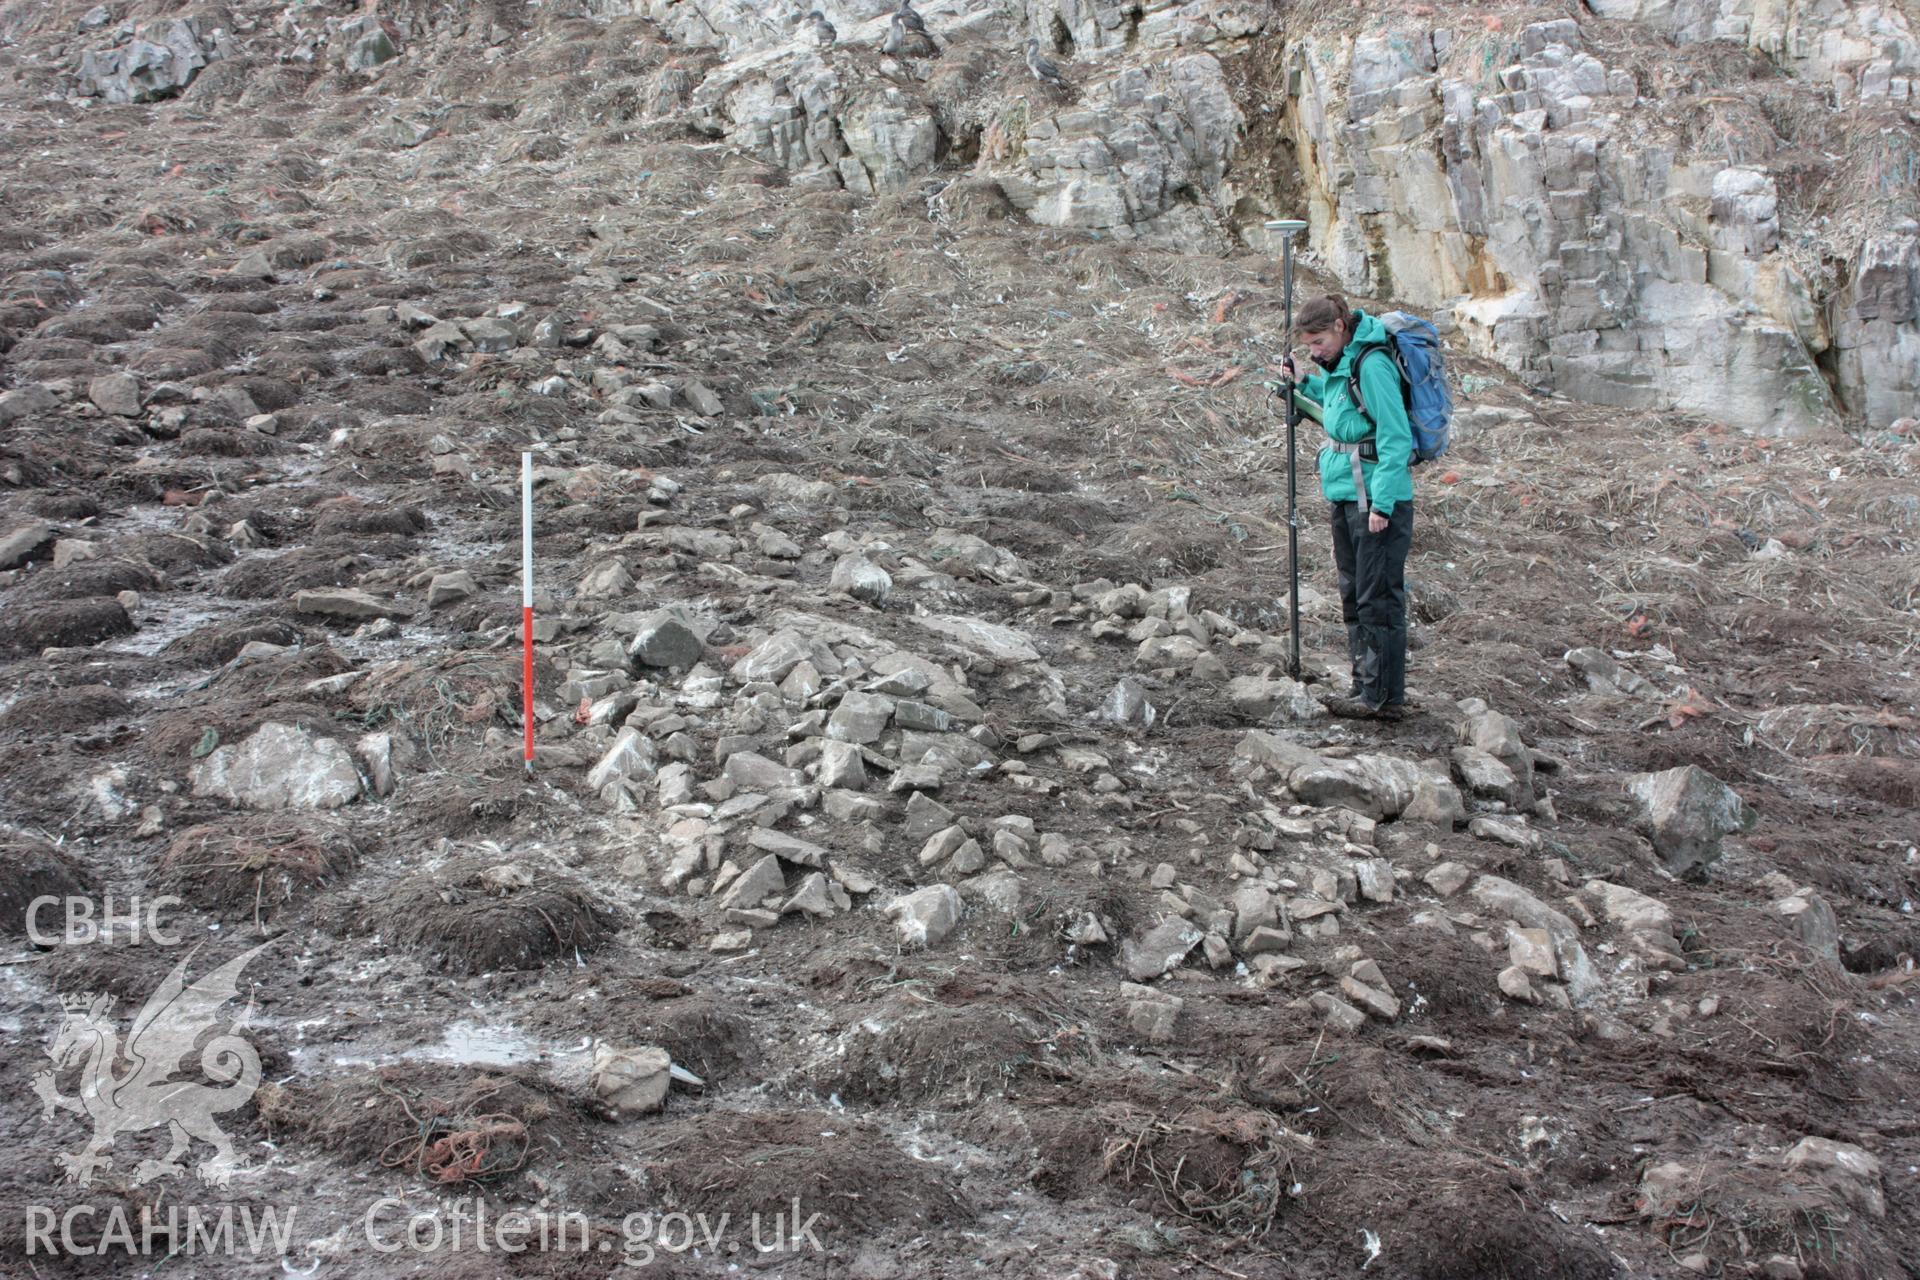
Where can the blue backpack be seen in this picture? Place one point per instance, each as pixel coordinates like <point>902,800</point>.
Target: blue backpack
<point>1415,348</point>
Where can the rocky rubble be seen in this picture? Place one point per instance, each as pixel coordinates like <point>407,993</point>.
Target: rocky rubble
<point>280,767</point>
<point>915,773</point>
<point>1686,812</point>
<point>830,746</point>
<point>846,739</point>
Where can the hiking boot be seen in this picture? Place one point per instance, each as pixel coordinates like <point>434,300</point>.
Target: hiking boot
<point>1358,709</point>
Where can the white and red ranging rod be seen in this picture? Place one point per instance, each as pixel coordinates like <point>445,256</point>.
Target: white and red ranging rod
<point>526,602</point>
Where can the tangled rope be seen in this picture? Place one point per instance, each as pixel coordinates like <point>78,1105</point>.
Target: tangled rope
<point>453,1150</point>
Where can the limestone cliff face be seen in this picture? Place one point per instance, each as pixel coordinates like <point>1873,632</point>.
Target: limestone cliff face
<point>1524,182</point>
<point>1740,248</point>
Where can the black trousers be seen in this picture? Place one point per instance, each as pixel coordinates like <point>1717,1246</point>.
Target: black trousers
<point>1373,598</point>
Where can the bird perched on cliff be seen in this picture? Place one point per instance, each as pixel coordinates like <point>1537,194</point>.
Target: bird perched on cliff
<point>909,18</point>
<point>816,28</point>
<point>1043,68</point>
<point>907,35</point>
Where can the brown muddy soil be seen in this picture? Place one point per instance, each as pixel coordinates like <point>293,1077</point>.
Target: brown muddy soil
<point>996,414</point>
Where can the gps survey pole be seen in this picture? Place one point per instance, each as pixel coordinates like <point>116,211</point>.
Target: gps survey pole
<point>1286,229</point>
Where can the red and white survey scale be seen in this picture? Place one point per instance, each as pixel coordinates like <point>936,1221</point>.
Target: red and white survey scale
<point>526,602</point>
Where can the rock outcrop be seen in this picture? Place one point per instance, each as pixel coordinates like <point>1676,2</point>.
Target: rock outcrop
<point>161,59</point>
<point>1517,185</point>
<point>1530,188</point>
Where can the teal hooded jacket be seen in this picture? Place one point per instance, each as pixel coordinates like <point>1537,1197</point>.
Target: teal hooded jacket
<point>1389,478</point>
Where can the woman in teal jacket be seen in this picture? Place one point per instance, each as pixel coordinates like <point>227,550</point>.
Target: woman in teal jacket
<point>1365,473</point>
